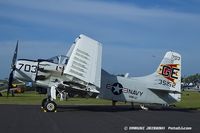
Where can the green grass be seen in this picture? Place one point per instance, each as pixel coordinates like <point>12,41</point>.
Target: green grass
<point>190,100</point>
<point>23,98</point>
<point>34,98</point>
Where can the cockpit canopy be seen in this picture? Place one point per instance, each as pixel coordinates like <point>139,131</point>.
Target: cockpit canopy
<point>60,59</point>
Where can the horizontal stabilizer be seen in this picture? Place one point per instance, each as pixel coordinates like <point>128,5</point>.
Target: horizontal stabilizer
<point>166,91</point>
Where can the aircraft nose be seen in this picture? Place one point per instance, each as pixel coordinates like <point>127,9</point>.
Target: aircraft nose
<point>25,70</point>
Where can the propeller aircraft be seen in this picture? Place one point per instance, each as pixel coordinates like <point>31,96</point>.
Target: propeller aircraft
<point>80,72</point>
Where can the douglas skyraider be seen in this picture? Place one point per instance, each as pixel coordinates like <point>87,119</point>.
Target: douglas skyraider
<point>80,72</point>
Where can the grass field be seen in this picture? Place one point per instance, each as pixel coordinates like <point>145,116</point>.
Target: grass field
<point>190,100</point>
<point>33,98</point>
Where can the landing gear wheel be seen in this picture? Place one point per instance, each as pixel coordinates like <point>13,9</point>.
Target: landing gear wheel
<point>50,106</point>
<point>43,102</point>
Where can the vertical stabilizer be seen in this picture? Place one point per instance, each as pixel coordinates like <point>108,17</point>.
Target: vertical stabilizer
<point>168,75</point>
<point>170,69</point>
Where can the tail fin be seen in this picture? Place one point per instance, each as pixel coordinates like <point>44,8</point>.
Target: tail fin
<point>170,68</point>
<point>168,75</point>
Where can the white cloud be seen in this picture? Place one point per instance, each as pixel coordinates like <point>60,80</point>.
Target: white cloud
<point>107,21</point>
<point>56,12</point>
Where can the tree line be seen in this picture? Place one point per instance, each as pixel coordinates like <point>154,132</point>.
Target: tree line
<point>191,79</point>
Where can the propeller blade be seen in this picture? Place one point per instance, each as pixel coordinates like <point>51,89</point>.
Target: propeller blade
<point>15,56</point>
<point>10,80</point>
<point>14,59</point>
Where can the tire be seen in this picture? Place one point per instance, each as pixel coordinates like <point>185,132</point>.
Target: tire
<point>50,106</point>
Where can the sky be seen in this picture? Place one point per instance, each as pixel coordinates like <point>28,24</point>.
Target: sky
<point>135,34</point>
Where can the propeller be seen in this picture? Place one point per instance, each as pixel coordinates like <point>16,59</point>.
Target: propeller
<point>13,67</point>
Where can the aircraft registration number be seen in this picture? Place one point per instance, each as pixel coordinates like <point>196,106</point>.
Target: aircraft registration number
<point>28,68</point>
<point>166,83</point>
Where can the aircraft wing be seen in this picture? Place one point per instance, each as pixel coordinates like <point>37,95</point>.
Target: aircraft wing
<point>70,50</point>
<point>85,60</point>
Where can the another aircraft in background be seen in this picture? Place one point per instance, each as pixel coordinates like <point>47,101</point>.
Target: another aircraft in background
<point>17,87</point>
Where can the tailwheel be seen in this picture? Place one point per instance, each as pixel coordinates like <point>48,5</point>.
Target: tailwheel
<point>50,106</point>
<point>144,108</point>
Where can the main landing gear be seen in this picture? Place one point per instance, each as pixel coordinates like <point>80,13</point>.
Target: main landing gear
<point>48,105</point>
